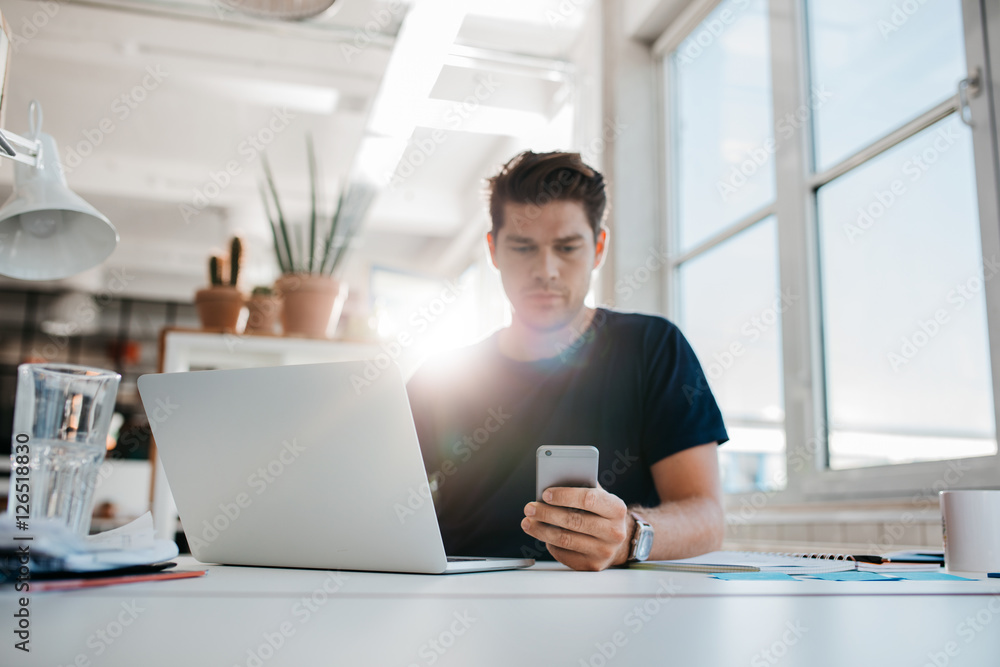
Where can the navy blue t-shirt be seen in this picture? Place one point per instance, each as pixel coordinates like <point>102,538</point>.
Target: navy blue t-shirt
<point>631,386</point>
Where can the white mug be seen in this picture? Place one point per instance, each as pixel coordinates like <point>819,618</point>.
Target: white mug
<point>971,523</point>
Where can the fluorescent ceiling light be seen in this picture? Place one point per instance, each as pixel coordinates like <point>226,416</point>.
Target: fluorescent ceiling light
<point>563,14</point>
<point>320,100</point>
<point>424,41</point>
<point>377,159</point>
<point>482,119</point>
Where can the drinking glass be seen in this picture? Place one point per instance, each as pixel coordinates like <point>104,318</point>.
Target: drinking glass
<point>62,413</point>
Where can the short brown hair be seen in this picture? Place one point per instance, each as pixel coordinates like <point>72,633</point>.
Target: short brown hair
<point>540,178</point>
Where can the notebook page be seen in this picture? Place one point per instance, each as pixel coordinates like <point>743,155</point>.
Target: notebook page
<point>764,562</point>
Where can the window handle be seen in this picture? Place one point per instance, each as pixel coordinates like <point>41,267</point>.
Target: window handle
<point>968,87</point>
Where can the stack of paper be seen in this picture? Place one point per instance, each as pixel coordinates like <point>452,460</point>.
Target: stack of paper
<point>54,548</point>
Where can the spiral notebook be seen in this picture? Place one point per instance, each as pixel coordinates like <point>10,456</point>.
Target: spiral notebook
<point>786,563</point>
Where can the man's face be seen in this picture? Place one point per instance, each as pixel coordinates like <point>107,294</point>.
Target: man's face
<point>545,255</point>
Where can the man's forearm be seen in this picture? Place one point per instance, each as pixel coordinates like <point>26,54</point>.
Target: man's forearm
<point>685,528</point>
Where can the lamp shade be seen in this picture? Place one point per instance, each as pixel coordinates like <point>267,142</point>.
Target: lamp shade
<point>287,10</point>
<point>47,231</point>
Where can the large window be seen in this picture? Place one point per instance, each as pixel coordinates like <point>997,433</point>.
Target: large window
<point>729,302</point>
<point>832,203</point>
<point>907,355</point>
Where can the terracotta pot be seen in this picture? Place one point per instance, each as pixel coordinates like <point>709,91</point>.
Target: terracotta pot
<point>263,316</point>
<point>219,307</point>
<point>310,304</point>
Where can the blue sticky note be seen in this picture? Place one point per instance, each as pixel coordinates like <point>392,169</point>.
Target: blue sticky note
<point>754,576</point>
<point>930,576</point>
<point>850,575</point>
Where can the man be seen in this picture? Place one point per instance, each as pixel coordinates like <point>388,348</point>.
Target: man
<point>566,374</point>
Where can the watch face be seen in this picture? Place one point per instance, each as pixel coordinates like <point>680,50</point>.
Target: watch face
<point>644,543</point>
<point>643,540</point>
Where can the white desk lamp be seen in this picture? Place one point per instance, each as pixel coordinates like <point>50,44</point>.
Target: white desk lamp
<point>47,231</point>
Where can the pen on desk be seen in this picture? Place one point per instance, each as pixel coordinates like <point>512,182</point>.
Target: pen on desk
<point>879,560</point>
<point>71,584</point>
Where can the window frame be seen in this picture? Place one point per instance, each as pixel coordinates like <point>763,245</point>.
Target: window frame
<point>803,376</point>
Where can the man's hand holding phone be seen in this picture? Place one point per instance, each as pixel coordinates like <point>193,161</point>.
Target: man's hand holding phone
<point>583,526</point>
<point>585,529</point>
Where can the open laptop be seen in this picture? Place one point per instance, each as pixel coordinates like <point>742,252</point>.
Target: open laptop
<point>311,466</point>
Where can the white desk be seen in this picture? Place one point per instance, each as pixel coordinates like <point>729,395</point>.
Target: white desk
<point>543,616</point>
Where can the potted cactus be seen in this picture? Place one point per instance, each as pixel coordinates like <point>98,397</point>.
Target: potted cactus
<point>309,254</point>
<point>219,305</point>
<point>263,306</point>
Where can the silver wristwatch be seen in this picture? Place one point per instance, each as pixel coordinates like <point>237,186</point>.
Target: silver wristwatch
<point>642,539</point>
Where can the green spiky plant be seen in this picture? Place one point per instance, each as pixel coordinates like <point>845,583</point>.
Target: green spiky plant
<point>216,262</point>
<point>324,257</point>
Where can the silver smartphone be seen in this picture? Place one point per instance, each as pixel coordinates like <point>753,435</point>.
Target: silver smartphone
<point>565,465</point>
